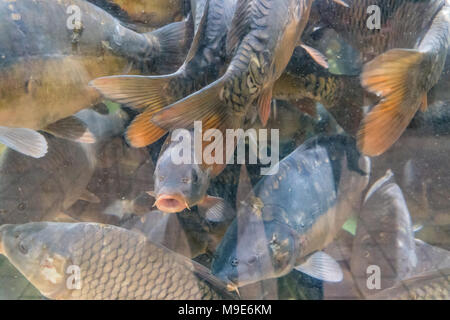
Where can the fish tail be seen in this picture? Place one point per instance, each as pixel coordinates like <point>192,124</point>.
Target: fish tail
<point>205,105</point>
<point>174,40</point>
<point>150,94</point>
<point>394,77</point>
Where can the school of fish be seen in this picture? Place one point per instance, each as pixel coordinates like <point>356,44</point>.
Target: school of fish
<point>225,149</point>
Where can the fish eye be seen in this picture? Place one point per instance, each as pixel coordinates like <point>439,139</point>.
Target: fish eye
<point>22,248</point>
<point>22,206</point>
<point>234,262</point>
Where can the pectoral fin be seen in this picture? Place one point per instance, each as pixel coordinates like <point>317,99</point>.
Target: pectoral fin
<point>26,141</point>
<point>71,128</point>
<point>323,267</point>
<point>317,56</point>
<point>89,197</point>
<point>215,209</point>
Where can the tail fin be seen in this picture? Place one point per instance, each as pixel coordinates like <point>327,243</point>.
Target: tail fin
<point>394,76</point>
<point>174,40</point>
<point>205,105</point>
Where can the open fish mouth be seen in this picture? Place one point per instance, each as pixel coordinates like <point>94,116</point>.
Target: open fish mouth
<point>171,203</point>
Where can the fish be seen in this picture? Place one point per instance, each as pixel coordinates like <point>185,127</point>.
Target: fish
<point>153,13</point>
<point>121,178</point>
<point>88,261</point>
<point>433,285</point>
<point>295,213</point>
<point>404,60</point>
<point>203,65</point>
<point>261,41</point>
<point>42,189</point>
<point>47,61</point>
<point>181,186</point>
<point>384,238</point>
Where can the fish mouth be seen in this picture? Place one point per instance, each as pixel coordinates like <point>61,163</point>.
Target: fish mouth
<point>171,203</point>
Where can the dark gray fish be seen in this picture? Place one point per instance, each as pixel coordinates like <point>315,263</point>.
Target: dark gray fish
<point>91,261</point>
<point>294,214</point>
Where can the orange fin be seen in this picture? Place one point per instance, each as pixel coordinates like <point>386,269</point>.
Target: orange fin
<point>264,105</point>
<point>138,92</point>
<point>390,75</point>
<point>424,105</point>
<point>204,105</point>
<point>318,57</point>
<point>142,132</point>
<point>342,3</point>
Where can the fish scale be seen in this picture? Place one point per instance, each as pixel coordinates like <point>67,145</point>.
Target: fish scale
<point>115,263</point>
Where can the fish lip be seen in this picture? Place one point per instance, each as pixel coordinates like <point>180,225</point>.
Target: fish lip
<point>171,203</point>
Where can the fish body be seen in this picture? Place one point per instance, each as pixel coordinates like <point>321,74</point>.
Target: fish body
<point>384,238</point>
<point>405,58</point>
<point>47,60</point>
<point>110,263</point>
<point>428,286</point>
<point>294,213</point>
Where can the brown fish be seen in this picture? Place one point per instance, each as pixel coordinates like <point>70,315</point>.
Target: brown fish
<point>48,59</point>
<point>91,261</point>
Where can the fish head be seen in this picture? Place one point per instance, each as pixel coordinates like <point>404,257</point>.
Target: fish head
<point>179,186</point>
<point>37,252</point>
<point>253,251</point>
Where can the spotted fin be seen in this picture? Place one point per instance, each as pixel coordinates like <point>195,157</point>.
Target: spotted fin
<point>25,141</point>
<point>323,267</point>
<point>71,128</point>
<point>392,76</point>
